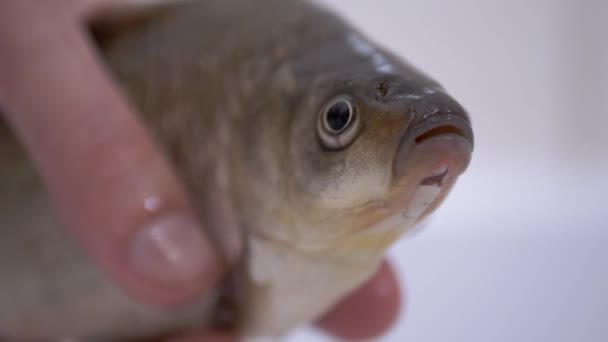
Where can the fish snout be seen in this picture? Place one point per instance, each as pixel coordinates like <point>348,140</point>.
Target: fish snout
<point>438,143</point>
<point>438,114</point>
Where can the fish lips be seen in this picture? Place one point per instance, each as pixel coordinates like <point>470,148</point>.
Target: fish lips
<point>435,151</point>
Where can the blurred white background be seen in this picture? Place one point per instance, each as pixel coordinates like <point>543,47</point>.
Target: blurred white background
<point>519,252</point>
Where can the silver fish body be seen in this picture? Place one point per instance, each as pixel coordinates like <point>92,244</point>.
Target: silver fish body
<point>307,150</point>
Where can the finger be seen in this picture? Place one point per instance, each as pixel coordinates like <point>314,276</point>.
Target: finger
<point>367,312</point>
<point>111,187</point>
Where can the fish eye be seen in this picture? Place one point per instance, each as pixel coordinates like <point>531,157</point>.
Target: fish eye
<point>338,115</point>
<point>338,122</point>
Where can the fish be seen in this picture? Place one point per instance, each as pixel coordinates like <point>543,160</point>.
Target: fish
<point>307,150</point>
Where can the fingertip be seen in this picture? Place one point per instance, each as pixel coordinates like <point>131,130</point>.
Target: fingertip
<point>169,261</point>
<point>369,311</point>
<point>170,248</point>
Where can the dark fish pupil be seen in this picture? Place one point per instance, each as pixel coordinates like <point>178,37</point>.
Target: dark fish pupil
<point>338,115</point>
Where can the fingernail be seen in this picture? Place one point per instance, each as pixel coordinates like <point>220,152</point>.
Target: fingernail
<point>170,250</point>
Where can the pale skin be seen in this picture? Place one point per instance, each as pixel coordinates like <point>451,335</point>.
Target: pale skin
<point>102,169</point>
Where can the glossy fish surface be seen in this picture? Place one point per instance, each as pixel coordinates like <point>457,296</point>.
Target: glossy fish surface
<point>307,149</point>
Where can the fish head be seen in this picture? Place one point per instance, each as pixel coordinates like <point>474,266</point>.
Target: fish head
<point>369,156</point>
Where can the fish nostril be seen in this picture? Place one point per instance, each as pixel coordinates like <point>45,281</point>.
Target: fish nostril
<point>441,130</point>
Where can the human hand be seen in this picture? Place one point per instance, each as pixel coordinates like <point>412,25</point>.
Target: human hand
<point>108,181</point>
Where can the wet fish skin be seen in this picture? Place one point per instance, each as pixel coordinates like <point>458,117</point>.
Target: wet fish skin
<point>232,90</point>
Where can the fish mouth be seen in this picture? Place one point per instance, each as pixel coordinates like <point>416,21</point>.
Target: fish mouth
<point>451,139</point>
<point>430,158</point>
<point>447,125</point>
<point>439,131</point>
<point>433,152</point>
